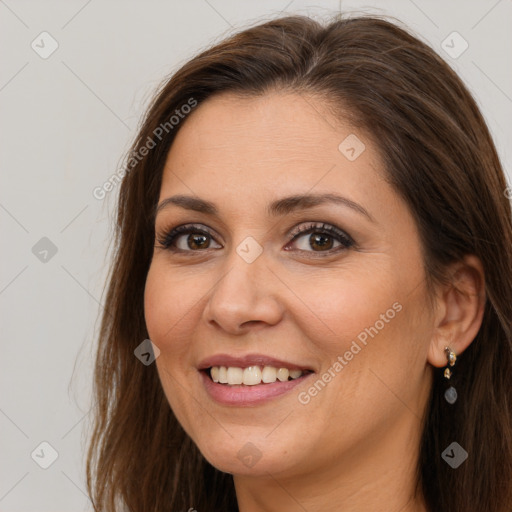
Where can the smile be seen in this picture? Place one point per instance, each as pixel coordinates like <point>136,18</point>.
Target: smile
<point>253,375</point>
<point>247,395</point>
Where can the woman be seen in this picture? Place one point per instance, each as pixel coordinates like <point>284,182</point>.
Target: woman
<point>314,234</point>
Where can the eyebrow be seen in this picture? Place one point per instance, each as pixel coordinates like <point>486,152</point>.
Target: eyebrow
<point>277,208</point>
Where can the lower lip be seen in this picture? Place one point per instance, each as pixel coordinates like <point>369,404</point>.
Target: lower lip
<point>241,395</point>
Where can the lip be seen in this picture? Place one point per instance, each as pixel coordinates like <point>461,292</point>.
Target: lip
<point>246,396</point>
<point>249,360</point>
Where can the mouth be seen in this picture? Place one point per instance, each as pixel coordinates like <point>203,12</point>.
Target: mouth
<point>254,375</point>
<point>250,380</point>
<point>250,386</point>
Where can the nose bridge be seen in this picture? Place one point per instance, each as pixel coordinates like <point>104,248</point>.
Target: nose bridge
<point>244,277</point>
<point>245,292</point>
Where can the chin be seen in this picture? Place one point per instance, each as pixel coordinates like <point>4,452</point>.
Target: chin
<point>241,456</point>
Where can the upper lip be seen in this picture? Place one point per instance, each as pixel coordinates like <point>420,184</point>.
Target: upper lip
<point>249,360</point>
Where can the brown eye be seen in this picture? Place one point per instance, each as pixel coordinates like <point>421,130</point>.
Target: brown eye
<point>322,238</point>
<point>197,239</point>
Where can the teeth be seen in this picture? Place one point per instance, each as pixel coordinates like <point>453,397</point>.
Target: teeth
<point>223,375</point>
<point>283,374</point>
<point>235,375</point>
<point>269,374</point>
<point>252,375</point>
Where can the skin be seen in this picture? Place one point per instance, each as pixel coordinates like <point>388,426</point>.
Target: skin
<point>354,445</point>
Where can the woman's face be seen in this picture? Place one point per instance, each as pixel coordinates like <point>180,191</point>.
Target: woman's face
<point>244,289</point>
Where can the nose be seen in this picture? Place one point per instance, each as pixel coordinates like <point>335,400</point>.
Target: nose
<point>245,295</point>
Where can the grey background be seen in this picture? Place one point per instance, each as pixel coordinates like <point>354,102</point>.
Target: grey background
<point>66,121</point>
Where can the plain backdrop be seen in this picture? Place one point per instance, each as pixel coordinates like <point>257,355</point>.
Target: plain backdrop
<point>67,118</point>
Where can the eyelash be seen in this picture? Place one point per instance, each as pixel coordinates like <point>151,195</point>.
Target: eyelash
<point>167,239</point>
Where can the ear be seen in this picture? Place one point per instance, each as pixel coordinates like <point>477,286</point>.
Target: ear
<point>460,310</point>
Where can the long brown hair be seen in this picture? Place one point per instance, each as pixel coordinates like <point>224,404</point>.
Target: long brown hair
<point>438,155</point>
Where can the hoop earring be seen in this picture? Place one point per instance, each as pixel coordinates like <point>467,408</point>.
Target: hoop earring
<point>450,394</point>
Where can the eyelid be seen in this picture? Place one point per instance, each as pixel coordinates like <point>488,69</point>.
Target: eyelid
<point>319,226</point>
<point>164,235</point>
<point>167,237</point>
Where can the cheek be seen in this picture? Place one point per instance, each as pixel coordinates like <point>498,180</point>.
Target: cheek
<point>376,323</point>
<point>168,310</point>
<point>169,300</point>
<point>156,304</point>
<point>340,308</point>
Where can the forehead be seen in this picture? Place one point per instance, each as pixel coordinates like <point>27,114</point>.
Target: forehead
<point>278,123</point>
<point>275,144</point>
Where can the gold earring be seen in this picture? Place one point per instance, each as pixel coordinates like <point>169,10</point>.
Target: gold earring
<point>450,394</point>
